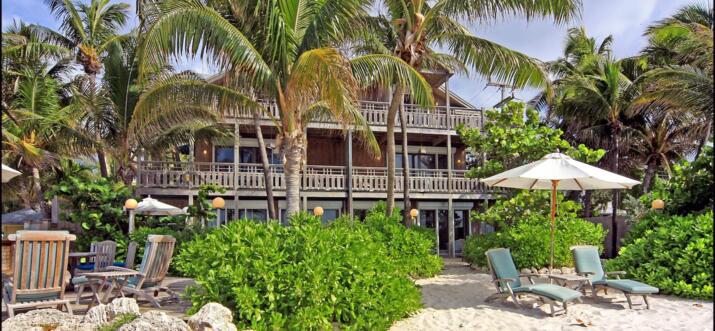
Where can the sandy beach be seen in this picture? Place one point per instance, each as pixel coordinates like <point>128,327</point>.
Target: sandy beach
<point>454,300</point>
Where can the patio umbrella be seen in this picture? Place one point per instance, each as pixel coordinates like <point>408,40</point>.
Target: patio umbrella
<point>557,171</point>
<point>9,173</point>
<point>153,207</point>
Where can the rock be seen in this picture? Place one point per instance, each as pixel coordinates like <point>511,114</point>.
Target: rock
<point>543,271</point>
<point>565,270</point>
<point>525,271</point>
<point>47,319</point>
<point>534,271</point>
<point>155,321</point>
<point>212,317</point>
<point>103,314</point>
<point>556,271</point>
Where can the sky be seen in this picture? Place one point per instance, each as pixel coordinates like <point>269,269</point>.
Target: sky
<point>624,19</point>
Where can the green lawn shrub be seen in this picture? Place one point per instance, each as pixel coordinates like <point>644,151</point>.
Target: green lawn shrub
<point>529,242</point>
<point>299,277</point>
<point>412,249</point>
<point>673,253</point>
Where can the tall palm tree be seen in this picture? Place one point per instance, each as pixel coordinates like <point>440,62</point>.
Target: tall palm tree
<point>416,31</point>
<point>283,51</point>
<point>90,29</point>
<point>683,46</point>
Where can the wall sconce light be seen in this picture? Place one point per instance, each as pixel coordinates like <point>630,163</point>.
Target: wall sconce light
<point>206,151</point>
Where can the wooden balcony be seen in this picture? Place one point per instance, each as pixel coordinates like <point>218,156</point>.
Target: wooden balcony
<point>375,114</point>
<point>185,175</point>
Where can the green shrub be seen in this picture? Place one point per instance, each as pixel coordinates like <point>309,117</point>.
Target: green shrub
<point>529,242</point>
<point>673,253</point>
<point>182,236</point>
<point>304,276</point>
<point>412,249</point>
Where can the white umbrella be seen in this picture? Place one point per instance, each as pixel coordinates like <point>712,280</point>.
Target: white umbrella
<point>153,207</point>
<point>557,171</point>
<point>9,173</point>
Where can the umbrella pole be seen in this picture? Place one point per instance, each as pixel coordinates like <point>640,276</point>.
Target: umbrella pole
<point>554,184</point>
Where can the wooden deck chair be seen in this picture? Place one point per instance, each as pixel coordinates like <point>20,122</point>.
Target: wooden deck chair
<point>40,275</point>
<point>131,255</point>
<point>507,281</point>
<point>154,267</point>
<point>588,264</point>
<point>106,251</point>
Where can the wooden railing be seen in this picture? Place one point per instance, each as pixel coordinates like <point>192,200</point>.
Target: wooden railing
<point>188,175</point>
<point>375,114</point>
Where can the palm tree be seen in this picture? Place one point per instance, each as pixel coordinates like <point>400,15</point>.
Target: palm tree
<point>90,29</point>
<point>683,46</point>
<point>416,31</point>
<point>283,51</point>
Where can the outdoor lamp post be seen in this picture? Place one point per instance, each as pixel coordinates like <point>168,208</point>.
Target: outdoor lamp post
<point>130,205</point>
<point>218,203</point>
<point>318,211</point>
<point>413,213</point>
<point>658,204</point>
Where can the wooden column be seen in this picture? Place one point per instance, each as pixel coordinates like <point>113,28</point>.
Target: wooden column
<point>236,165</point>
<point>349,174</point>
<point>450,204</point>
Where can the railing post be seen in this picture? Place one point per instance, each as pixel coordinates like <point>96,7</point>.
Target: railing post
<point>349,174</point>
<point>236,165</point>
<point>449,109</point>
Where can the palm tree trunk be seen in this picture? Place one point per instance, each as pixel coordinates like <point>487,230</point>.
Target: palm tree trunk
<point>405,170</point>
<point>614,202</point>
<point>649,174</point>
<point>704,140</point>
<point>587,204</point>
<point>293,145</point>
<point>37,186</point>
<point>390,153</point>
<point>266,167</point>
<point>101,159</point>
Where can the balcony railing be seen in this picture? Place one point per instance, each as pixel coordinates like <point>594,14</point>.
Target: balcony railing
<point>375,114</point>
<point>188,175</point>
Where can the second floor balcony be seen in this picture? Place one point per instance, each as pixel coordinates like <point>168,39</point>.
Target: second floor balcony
<point>375,114</point>
<point>190,175</point>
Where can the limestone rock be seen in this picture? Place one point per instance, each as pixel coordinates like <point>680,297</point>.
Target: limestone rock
<point>525,271</point>
<point>212,317</point>
<point>534,271</point>
<point>103,314</point>
<point>47,319</point>
<point>556,271</point>
<point>565,270</point>
<point>543,271</point>
<point>155,321</point>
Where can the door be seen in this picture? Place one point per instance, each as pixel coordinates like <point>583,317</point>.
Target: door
<point>427,219</point>
<point>443,218</point>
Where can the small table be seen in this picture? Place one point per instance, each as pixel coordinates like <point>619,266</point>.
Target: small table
<point>99,280</point>
<point>569,279</point>
<point>74,258</point>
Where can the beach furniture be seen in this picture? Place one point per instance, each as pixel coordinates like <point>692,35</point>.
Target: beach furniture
<point>507,281</point>
<point>104,257</point>
<point>40,273</point>
<point>152,271</point>
<point>588,264</point>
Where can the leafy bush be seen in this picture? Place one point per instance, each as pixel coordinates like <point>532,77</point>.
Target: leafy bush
<point>527,205</point>
<point>673,253</point>
<point>412,249</point>
<point>305,276</point>
<point>529,241</point>
<point>182,236</point>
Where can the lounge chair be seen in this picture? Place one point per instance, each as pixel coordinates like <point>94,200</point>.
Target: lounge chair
<point>507,281</point>
<point>106,250</point>
<point>588,264</point>
<point>129,260</point>
<point>154,267</point>
<point>40,273</point>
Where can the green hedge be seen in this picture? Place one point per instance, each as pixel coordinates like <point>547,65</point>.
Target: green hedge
<point>529,242</point>
<point>412,249</point>
<point>304,276</point>
<point>673,253</point>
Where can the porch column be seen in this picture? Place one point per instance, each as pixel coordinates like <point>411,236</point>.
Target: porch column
<point>349,174</point>
<point>236,164</point>
<point>450,205</point>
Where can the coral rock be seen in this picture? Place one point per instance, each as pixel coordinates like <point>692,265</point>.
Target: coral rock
<point>212,317</point>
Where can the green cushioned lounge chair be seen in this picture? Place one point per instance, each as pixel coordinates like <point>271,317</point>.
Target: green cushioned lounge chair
<point>507,281</point>
<point>40,275</point>
<point>588,264</point>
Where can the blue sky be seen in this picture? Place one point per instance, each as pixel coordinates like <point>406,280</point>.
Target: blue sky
<point>624,19</point>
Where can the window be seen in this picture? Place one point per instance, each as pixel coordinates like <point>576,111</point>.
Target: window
<point>253,155</point>
<point>223,154</point>
<point>253,214</point>
<point>419,161</point>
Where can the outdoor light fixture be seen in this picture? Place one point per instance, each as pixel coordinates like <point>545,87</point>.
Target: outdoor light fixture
<point>218,203</point>
<point>130,204</point>
<point>413,213</point>
<point>658,204</point>
<point>318,211</point>
<point>206,152</point>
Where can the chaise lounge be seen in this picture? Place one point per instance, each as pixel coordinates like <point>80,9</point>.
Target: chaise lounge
<point>588,264</point>
<point>507,281</point>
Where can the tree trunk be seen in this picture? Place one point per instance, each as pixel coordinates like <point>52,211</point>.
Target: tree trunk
<point>37,187</point>
<point>101,159</point>
<point>405,170</point>
<point>704,140</point>
<point>649,173</point>
<point>266,167</point>
<point>587,204</point>
<point>390,153</point>
<point>293,145</point>
<point>614,201</point>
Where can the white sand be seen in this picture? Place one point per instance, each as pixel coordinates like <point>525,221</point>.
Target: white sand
<point>454,300</point>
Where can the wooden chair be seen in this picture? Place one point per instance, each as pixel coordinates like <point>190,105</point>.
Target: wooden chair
<point>41,260</point>
<point>154,267</point>
<point>131,255</point>
<point>106,251</point>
